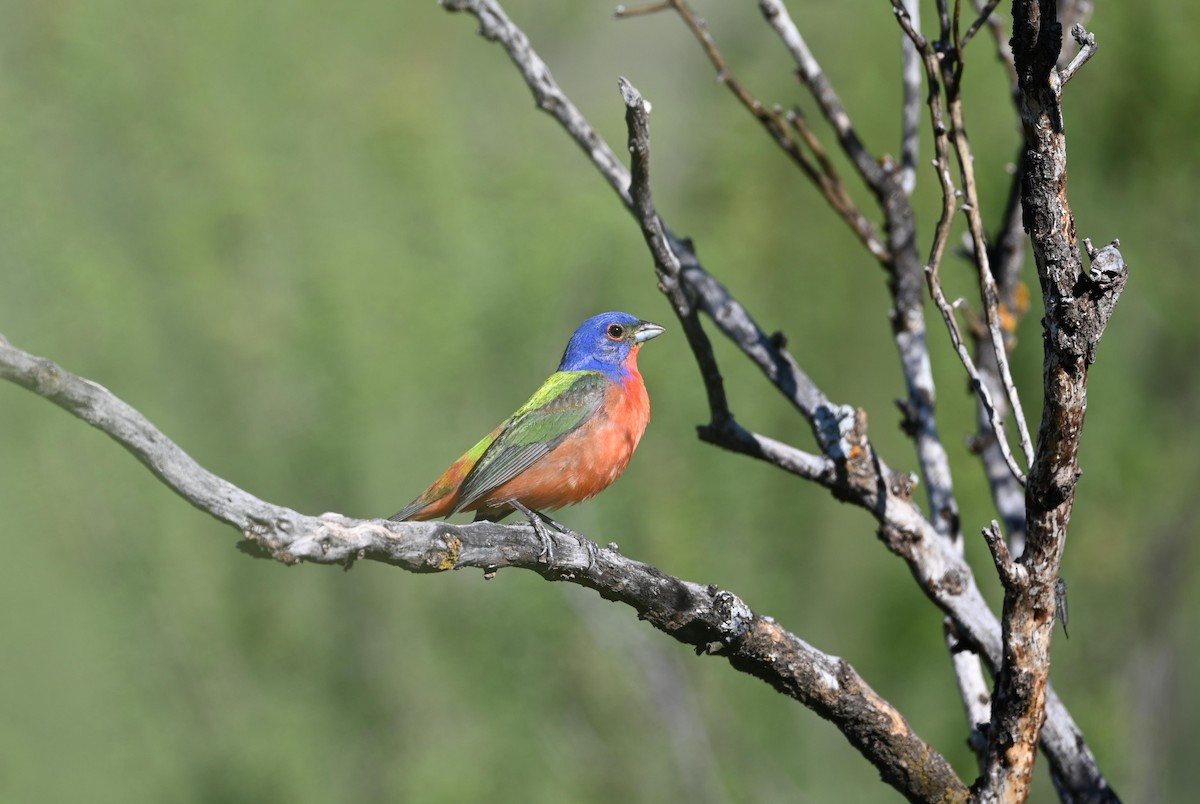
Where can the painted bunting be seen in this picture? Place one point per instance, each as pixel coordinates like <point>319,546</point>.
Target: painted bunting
<point>569,442</point>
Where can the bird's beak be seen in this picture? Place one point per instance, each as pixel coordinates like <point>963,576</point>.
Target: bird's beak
<point>645,331</point>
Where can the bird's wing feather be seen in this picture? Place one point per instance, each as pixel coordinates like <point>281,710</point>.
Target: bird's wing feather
<point>450,479</point>
<point>564,403</point>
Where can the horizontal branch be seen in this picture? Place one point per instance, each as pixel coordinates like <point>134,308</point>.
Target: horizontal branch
<point>712,620</point>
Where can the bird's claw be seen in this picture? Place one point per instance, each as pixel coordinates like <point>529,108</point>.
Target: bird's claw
<point>587,544</point>
<point>539,521</point>
<point>539,528</point>
<point>547,553</point>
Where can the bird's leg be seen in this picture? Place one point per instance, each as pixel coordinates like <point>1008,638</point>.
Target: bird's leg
<point>587,544</point>
<point>538,527</point>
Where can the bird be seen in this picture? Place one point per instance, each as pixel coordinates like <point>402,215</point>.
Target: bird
<point>569,442</point>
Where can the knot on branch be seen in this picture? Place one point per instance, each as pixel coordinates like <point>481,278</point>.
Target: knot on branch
<point>910,418</point>
<point>1103,285</point>
<point>835,427</point>
<point>1077,319</point>
<point>903,484</point>
<point>48,378</point>
<point>842,433</point>
<point>733,616</point>
<point>901,541</point>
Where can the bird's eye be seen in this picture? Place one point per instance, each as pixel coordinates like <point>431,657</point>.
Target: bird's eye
<point>616,331</point>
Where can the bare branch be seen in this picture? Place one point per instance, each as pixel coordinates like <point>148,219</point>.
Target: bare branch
<point>716,622</point>
<point>810,72</point>
<point>910,115</point>
<point>1087,49</point>
<point>623,12</point>
<point>779,124</point>
<point>987,283</point>
<point>1006,254</point>
<point>941,142</point>
<point>1078,306</point>
<point>985,14</point>
<point>974,689</point>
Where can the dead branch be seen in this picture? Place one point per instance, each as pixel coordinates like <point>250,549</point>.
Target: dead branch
<point>1078,306</point>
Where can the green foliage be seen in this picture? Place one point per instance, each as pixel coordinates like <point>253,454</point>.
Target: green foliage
<point>323,246</point>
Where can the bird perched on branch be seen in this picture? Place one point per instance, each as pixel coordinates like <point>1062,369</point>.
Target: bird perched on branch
<point>569,442</point>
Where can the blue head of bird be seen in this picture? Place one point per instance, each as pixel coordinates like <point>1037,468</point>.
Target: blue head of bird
<point>606,342</point>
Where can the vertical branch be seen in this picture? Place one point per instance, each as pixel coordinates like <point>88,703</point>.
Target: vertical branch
<point>987,284</point>
<point>666,264</point>
<point>910,115</point>
<point>1078,306</point>
<point>1006,254</point>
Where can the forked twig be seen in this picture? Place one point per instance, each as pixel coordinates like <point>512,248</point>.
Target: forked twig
<point>779,125</point>
<point>941,140</point>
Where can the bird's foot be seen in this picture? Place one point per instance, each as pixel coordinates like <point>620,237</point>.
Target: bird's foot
<point>539,521</point>
<point>539,528</point>
<point>587,544</point>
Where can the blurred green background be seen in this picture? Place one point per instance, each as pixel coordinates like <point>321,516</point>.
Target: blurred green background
<point>326,246</point>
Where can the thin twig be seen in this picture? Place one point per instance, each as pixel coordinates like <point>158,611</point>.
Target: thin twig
<point>910,114</point>
<point>987,283</point>
<point>778,124</point>
<point>796,119</point>
<point>809,71</point>
<point>1087,49</point>
<point>942,235</point>
<point>985,14</point>
<point>624,12</point>
<point>1006,255</point>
